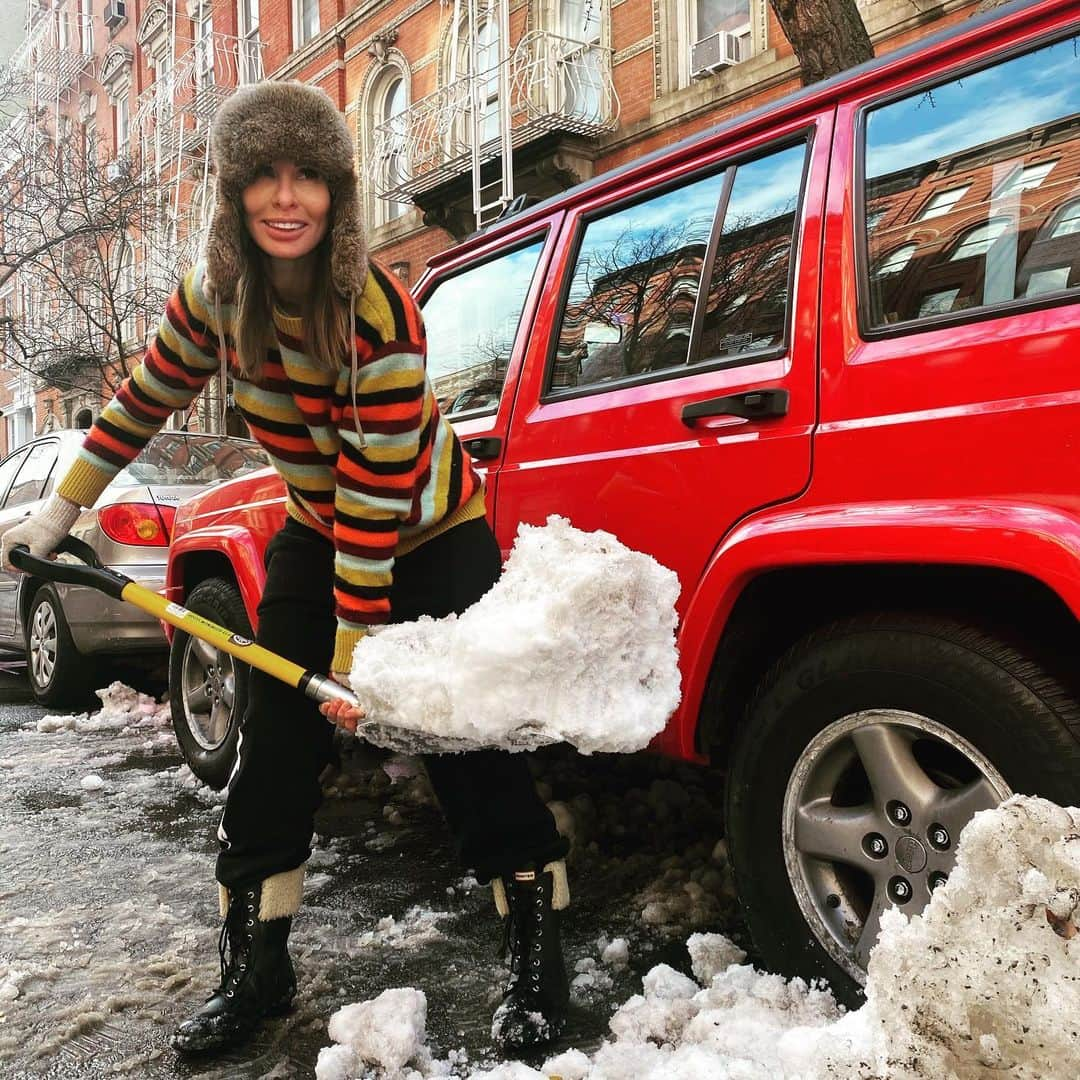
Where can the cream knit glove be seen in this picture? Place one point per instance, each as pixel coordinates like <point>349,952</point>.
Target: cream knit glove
<point>41,532</point>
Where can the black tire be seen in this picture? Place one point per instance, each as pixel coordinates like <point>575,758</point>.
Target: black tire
<point>207,737</point>
<point>59,675</point>
<point>994,698</point>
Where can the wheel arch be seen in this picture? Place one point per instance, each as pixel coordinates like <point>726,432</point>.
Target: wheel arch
<point>228,552</point>
<point>776,578</point>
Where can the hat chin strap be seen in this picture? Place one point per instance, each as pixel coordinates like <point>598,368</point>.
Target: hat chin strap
<point>223,363</point>
<point>355,367</point>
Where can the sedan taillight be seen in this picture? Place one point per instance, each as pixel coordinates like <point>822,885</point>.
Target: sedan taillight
<point>140,524</point>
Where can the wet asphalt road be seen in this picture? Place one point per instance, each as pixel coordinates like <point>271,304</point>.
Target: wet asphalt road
<point>108,907</point>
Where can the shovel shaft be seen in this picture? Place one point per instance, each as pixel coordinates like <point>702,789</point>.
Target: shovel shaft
<point>92,574</point>
<point>315,686</point>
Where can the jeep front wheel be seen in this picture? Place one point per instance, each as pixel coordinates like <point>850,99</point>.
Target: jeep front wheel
<point>207,687</point>
<point>865,752</point>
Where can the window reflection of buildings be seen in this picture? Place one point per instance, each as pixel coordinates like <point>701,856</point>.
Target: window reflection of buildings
<point>1012,232</point>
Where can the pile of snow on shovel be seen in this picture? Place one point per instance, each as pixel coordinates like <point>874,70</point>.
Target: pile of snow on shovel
<point>575,643</point>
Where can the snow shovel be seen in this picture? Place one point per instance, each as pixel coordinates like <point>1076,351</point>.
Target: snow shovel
<point>95,575</point>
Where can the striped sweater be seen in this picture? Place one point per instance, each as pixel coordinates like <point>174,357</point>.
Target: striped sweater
<point>402,480</point>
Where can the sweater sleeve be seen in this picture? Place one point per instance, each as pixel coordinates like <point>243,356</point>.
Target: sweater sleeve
<point>377,473</point>
<point>177,365</point>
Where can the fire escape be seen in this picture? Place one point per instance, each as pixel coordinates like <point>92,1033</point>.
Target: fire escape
<point>172,123</point>
<point>46,69</point>
<point>515,121</point>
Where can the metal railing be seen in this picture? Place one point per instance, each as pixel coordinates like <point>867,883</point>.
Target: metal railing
<point>173,116</point>
<point>46,61</point>
<point>555,84</point>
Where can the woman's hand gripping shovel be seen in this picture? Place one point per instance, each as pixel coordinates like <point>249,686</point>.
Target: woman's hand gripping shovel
<point>95,575</point>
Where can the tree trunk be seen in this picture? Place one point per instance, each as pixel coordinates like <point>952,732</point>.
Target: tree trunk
<point>828,36</point>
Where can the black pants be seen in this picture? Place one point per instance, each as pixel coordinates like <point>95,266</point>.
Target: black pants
<point>497,819</point>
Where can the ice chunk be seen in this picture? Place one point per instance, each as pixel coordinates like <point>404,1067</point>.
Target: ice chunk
<point>388,1031</point>
<point>575,643</point>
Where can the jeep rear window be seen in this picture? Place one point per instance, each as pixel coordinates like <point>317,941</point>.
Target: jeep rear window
<point>971,192</point>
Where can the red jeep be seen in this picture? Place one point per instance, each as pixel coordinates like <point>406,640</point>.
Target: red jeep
<point>824,361</point>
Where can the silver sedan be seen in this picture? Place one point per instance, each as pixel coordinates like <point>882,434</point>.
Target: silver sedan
<point>66,630</point>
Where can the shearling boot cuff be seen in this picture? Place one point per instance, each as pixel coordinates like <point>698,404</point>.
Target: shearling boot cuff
<point>560,889</point>
<point>280,895</point>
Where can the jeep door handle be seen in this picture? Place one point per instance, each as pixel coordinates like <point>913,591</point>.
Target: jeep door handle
<point>750,405</point>
<point>483,449</point>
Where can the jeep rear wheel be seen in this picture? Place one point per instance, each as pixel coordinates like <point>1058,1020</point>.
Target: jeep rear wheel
<point>207,687</point>
<point>866,750</point>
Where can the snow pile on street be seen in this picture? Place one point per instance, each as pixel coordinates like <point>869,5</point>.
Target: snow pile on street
<point>387,1032</point>
<point>575,643</point>
<point>122,710</point>
<point>986,979</point>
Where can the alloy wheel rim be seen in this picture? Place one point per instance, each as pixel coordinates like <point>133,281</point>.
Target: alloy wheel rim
<point>43,644</point>
<point>872,814</point>
<point>208,692</point>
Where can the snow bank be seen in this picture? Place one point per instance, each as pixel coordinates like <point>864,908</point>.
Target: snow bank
<point>122,709</point>
<point>985,982</point>
<point>575,643</point>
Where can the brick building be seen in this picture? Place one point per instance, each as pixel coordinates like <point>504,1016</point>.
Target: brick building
<point>444,114</point>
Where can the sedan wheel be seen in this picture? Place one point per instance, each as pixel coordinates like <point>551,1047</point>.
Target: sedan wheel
<point>58,673</point>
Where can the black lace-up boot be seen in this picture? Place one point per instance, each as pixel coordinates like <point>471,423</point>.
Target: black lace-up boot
<point>257,978</point>
<point>533,1008</point>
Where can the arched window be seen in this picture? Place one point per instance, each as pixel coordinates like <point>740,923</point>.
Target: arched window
<point>979,240</point>
<point>896,261</point>
<point>84,418</point>
<point>387,127</point>
<point>1067,222</point>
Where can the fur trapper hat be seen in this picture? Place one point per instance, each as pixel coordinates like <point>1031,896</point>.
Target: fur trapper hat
<point>270,121</point>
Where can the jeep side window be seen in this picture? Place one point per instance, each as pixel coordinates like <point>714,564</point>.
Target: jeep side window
<point>630,307</point>
<point>471,321</point>
<point>972,187</point>
<point>746,308</point>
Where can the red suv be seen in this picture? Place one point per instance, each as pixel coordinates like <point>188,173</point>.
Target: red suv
<point>824,361</point>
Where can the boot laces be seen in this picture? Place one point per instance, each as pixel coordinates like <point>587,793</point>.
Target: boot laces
<point>234,942</point>
<point>523,936</point>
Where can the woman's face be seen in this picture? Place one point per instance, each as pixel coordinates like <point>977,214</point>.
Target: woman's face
<point>286,208</point>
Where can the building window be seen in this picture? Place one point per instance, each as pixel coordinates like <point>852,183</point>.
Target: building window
<point>247,17</point>
<point>942,202</point>
<point>204,47</point>
<point>86,27</point>
<point>1053,279</point>
<point>1027,176</point>
<point>388,122</point>
<point>938,302</point>
<point>873,219</point>
<point>121,129</point>
<point>896,261</point>
<point>1068,222</point>
<point>979,240</point>
<point>125,295</point>
<point>306,18</point>
<point>487,70</point>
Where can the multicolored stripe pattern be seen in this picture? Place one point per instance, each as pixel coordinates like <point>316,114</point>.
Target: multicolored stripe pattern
<point>377,492</point>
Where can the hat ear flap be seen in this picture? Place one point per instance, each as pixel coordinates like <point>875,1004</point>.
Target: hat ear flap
<point>224,249</point>
<point>348,246</point>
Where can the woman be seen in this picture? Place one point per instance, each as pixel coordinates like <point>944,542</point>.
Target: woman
<point>385,522</point>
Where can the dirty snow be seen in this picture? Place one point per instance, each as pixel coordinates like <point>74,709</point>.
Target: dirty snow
<point>567,601</point>
<point>986,979</point>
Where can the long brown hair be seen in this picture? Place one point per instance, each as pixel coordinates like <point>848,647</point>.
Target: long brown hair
<point>326,314</point>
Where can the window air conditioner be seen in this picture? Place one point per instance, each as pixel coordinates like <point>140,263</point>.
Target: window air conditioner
<point>715,52</point>
<point>115,13</point>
